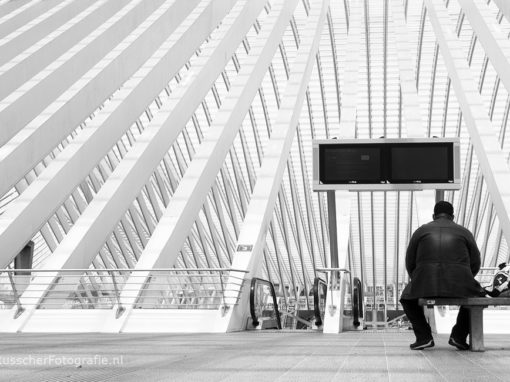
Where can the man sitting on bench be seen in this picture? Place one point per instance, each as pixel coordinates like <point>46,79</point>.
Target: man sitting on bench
<point>442,259</point>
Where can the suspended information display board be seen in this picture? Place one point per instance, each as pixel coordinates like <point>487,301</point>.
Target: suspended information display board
<point>386,164</point>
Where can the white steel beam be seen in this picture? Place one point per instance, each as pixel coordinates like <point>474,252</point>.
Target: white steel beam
<point>30,32</point>
<point>410,101</point>
<point>340,202</point>
<point>173,228</point>
<point>347,129</point>
<point>494,42</point>
<point>263,201</point>
<point>350,91</point>
<point>15,14</point>
<point>29,212</point>
<point>504,6</point>
<point>38,94</point>
<point>33,141</point>
<point>491,159</point>
<point>350,87</point>
<point>40,54</point>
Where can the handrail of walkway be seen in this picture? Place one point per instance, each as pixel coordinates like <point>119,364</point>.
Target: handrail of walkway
<point>101,288</point>
<point>357,301</point>
<point>255,282</point>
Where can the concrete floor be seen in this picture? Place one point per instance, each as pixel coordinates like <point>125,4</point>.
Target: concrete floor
<point>246,356</point>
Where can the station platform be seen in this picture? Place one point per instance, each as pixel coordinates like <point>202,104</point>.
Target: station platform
<point>247,356</point>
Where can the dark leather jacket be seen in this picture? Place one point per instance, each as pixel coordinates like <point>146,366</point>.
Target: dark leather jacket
<point>442,259</point>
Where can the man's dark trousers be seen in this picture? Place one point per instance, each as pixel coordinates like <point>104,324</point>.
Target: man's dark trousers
<point>422,328</point>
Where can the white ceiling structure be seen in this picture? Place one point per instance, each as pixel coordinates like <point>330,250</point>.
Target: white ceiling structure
<point>152,133</point>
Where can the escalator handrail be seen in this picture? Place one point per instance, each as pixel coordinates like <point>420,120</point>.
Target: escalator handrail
<point>254,319</point>
<point>357,301</point>
<point>316,302</point>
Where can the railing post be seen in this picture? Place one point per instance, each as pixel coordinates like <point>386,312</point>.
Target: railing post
<point>120,308</point>
<point>224,307</point>
<point>19,309</point>
<point>332,281</point>
<point>334,320</point>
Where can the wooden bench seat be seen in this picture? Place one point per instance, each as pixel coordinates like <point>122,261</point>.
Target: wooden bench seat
<point>476,305</point>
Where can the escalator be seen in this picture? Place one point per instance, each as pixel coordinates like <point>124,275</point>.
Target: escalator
<point>269,310</point>
<point>273,308</point>
<point>263,306</point>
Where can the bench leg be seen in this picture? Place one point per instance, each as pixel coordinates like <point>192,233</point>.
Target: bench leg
<point>476,328</point>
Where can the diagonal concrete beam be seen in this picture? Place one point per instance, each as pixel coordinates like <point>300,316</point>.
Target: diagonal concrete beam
<point>173,228</point>
<point>262,204</point>
<point>504,6</point>
<point>491,158</point>
<point>37,28</point>
<point>45,51</point>
<point>494,42</point>
<point>39,96</point>
<point>16,14</point>
<point>31,143</point>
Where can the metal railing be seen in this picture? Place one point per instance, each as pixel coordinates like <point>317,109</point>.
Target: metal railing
<point>260,291</point>
<point>187,288</point>
<point>190,288</point>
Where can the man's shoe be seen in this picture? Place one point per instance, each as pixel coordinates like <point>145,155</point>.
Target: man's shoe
<point>419,345</point>
<point>461,345</point>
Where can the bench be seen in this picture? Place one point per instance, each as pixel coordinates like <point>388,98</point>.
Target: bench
<point>476,305</point>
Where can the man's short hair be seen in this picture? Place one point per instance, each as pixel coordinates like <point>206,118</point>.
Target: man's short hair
<point>443,207</point>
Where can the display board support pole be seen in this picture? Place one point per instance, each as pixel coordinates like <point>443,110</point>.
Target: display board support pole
<point>333,239</point>
<point>439,195</point>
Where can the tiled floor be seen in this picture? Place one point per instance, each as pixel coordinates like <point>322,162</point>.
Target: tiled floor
<point>246,356</point>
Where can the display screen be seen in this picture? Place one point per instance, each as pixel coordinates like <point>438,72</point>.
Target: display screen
<point>368,163</point>
<point>350,164</point>
<point>421,163</point>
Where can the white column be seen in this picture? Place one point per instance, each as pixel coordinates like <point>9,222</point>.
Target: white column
<point>252,237</point>
<point>333,320</point>
<point>490,157</point>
